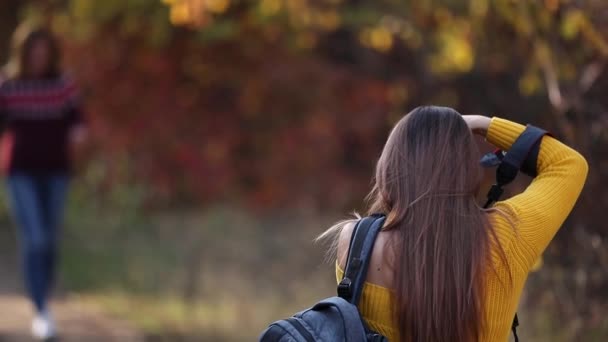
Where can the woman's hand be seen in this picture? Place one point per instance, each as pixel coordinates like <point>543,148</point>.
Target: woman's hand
<point>78,148</point>
<point>478,124</point>
<point>6,150</point>
<point>78,134</point>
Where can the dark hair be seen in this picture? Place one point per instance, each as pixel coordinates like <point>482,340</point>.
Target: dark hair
<point>426,183</point>
<point>22,48</point>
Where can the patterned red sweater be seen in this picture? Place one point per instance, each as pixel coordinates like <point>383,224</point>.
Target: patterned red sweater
<point>38,116</point>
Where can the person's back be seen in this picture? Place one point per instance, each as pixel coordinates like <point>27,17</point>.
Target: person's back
<point>444,269</point>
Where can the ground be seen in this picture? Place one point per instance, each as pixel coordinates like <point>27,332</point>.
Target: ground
<point>77,321</point>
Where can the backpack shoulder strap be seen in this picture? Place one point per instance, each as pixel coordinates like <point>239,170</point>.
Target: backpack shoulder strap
<point>359,253</point>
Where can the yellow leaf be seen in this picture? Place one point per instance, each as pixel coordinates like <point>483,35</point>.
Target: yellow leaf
<point>381,39</point>
<point>571,24</point>
<point>217,6</point>
<point>462,55</point>
<point>529,83</point>
<point>180,13</point>
<point>270,7</point>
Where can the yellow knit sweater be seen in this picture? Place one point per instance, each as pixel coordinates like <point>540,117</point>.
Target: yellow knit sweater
<point>537,214</point>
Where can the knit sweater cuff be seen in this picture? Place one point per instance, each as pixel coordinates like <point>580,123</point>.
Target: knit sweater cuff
<point>503,133</point>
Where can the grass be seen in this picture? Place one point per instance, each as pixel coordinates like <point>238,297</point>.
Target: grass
<point>223,274</point>
<point>189,275</point>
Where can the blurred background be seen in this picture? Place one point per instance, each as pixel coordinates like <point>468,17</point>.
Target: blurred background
<point>228,134</point>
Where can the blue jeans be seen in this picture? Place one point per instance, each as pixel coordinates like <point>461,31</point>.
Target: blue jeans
<point>38,202</point>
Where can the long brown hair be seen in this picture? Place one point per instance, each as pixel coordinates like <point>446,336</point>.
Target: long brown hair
<point>23,41</point>
<point>426,183</point>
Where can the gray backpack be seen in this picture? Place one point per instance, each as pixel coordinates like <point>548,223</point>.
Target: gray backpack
<point>336,318</point>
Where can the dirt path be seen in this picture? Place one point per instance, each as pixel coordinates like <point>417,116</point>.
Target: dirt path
<point>76,322</point>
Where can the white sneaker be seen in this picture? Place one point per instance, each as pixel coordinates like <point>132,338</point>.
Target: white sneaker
<point>43,327</point>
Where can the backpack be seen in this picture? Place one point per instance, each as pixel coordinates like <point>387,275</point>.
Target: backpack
<point>336,318</point>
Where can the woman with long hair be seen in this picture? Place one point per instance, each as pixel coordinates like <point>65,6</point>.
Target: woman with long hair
<point>41,115</point>
<point>443,268</point>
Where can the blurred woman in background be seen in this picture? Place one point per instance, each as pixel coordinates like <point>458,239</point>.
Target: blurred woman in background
<point>42,118</point>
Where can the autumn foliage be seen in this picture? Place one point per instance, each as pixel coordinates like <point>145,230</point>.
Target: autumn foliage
<point>283,103</point>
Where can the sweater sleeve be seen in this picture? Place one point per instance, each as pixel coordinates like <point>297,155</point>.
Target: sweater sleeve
<point>543,207</point>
